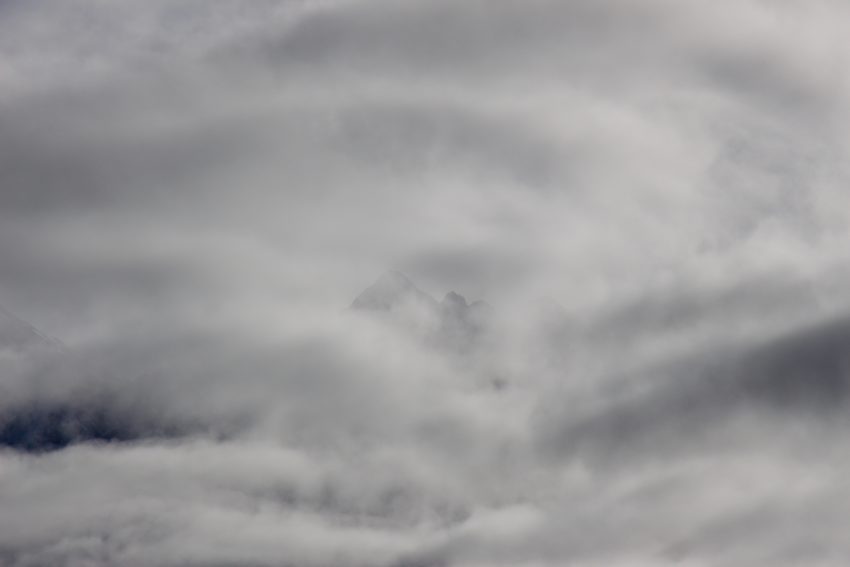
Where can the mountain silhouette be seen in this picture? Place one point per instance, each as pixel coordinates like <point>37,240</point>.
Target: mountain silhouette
<point>456,322</point>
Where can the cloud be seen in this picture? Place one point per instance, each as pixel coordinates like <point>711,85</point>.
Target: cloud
<point>650,196</point>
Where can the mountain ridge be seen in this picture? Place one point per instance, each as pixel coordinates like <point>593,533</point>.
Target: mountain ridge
<point>18,335</point>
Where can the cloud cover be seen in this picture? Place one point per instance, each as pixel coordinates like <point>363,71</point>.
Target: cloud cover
<point>650,194</point>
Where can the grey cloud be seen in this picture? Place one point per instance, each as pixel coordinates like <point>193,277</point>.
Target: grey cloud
<point>651,197</point>
<point>800,376</point>
<point>774,302</point>
<point>422,136</point>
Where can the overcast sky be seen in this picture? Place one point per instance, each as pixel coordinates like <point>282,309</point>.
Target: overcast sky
<point>651,195</point>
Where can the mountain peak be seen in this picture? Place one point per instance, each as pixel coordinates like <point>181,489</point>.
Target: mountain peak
<point>453,299</point>
<point>390,290</point>
<point>452,323</point>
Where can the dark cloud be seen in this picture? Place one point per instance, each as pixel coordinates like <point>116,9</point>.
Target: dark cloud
<point>40,426</point>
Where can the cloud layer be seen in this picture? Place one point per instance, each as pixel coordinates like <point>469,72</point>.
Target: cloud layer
<point>650,195</point>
